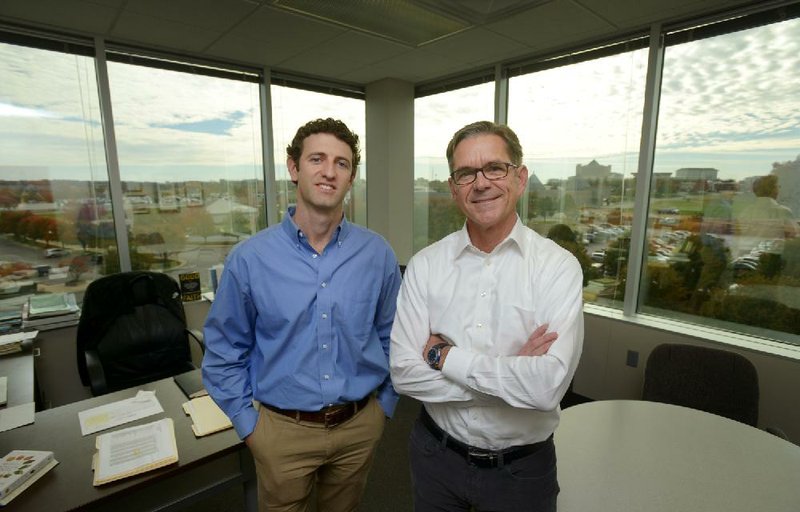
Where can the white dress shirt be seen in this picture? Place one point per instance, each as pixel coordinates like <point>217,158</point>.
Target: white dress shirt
<point>487,305</point>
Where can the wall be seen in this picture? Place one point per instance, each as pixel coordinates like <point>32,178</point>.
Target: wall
<point>604,375</point>
<point>390,160</point>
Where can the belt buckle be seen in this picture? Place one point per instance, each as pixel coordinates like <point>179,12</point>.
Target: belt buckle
<point>485,457</point>
<point>332,414</point>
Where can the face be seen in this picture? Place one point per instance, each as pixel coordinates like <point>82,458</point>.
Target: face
<point>488,205</point>
<point>324,173</point>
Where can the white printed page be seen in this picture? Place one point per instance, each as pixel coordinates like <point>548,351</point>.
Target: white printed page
<point>144,404</point>
<point>134,450</point>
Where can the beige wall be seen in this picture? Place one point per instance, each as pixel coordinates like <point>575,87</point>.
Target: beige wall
<point>604,375</point>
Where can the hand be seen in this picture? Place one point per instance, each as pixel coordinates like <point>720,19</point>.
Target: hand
<point>539,342</point>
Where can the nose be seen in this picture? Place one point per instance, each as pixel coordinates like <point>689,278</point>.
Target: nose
<point>329,170</point>
<point>480,180</point>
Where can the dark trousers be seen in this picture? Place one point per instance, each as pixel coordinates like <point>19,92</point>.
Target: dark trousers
<point>443,480</point>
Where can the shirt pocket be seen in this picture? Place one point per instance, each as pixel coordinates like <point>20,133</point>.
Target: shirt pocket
<point>515,324</point>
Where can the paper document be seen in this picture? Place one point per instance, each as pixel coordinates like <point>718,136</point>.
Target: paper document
<point>207,417</point>
<point>17,416</point>
<point>134,450</point>
<point>144,404</point>
<point>17,337</point>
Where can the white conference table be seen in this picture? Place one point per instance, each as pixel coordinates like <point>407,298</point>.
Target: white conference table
<point>629,455</point>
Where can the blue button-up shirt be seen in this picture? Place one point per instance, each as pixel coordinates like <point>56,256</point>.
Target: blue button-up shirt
<point>301,330</point>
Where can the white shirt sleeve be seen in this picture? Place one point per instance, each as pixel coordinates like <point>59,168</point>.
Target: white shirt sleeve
<point>411,374</point>
<point>533,382</point>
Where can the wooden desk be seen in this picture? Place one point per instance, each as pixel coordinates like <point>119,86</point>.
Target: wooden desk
<point>207,464</point>
<point>625,455</point>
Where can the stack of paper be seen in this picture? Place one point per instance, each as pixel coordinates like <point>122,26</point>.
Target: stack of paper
<point>134,450</point>
<point>11,343</point>
<point>50,311</point>
<point>10,321</point>
<point>207,417</point>
<point>19,469</point>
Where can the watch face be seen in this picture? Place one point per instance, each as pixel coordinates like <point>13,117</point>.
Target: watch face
<point>431,356</point>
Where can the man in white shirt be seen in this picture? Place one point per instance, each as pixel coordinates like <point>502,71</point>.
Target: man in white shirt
<point>488,333</point>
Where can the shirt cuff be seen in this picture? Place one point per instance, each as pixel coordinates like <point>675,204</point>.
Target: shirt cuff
<point>456,365</point>
<point>245,422</point>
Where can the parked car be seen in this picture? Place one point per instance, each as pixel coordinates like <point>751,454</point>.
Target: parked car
<point>56,252</point>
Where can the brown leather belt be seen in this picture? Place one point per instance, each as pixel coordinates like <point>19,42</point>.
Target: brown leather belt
<point>328,416</point>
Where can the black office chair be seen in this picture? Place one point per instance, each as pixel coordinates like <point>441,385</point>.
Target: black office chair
<point>709,379</point>
<point>132,331</point>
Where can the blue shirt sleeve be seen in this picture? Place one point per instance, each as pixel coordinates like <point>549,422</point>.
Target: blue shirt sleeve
<point>229,338</point>
<point>384,318</point>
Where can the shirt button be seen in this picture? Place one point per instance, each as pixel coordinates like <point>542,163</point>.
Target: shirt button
<point>324,316</point>
<point>324,345</point>
<point>488,263</point>
<point>483,294</point>
<point>314,256</point>
<point>340,244</point>
<point>327,377</point>
<point>324,284</point>
<point>480,325</point>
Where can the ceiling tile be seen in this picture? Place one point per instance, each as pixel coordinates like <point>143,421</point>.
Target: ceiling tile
<point>635,13</point>
<point>162,33</point>
<point>70,14</point>
<point>215,15</point>
<point>552,25</point>
<point>476,45</point>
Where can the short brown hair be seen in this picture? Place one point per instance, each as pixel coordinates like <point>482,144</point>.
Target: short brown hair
<point>332,126</point>
<point>487,127</point>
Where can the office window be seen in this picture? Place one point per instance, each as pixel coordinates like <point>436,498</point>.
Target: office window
<point>291,109</point>
<point>579,126</point>
<point>724,242</point>
<point>436,119</point>
<point>56,229</point>
<point>190,158</point>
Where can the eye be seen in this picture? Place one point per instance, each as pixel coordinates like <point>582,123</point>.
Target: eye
<point>315,159</point>
<point>495,167</point>
<point>344,164</point>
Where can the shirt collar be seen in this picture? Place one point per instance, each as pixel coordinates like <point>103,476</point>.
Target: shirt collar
<point>515,238</point>
<point>296,234</point>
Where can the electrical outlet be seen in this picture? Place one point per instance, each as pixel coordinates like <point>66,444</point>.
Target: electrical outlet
<point>632,359</point>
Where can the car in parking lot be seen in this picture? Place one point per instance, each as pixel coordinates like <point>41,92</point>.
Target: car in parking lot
<point>56,252</point>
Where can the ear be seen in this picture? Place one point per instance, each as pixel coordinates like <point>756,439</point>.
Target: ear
<point>293,170</point>
<point>522,177</point>
<point>453,188</point>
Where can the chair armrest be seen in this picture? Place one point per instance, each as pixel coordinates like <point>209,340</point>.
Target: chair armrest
<point>97,377</point>
<point>777,432</point>
<point>198,337</point>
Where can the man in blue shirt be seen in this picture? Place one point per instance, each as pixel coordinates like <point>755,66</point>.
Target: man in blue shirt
<point>297,339</point>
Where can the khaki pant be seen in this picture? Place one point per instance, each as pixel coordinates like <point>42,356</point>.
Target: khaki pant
<point>291,456</point>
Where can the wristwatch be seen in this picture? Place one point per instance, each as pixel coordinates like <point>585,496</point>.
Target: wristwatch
<point>434,355</point>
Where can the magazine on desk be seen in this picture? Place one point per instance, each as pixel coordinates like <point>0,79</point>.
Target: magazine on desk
<point>19,469</point>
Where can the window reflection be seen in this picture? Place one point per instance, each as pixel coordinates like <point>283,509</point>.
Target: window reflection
<point>722,227</point>
<point>189,150</point>
<point>579,126</point>
<point>56,229</point>
<point>436,119</point>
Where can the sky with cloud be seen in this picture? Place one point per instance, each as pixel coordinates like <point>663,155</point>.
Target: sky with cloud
<point>729,102</point>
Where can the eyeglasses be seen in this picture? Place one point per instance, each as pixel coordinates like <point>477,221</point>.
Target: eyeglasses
<point>492,171</point>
